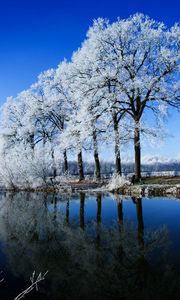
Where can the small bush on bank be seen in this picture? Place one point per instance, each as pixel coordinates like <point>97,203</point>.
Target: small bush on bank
<point>116,182</point>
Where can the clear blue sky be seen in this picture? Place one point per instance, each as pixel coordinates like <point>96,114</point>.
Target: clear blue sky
<point>37,34</point>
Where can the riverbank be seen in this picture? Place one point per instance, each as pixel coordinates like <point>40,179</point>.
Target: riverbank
<point>131,190</point>
<point>57,188</point>
<point>149,190</point>
<point>147,187</point>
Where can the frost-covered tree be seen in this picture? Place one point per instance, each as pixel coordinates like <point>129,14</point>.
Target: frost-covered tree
<point>55,108</point>
<point>120,81</point>
<point>71,137</point>
<point>90,84</point>
<point>90,103</point>
<point>139,58</point>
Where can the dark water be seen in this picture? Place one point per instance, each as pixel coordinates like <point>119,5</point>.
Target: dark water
<point>94,246</point>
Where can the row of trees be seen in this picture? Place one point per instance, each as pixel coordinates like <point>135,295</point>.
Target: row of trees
<point>122,78</point>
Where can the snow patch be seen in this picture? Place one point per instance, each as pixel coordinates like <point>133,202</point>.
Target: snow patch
<point>117,182</point>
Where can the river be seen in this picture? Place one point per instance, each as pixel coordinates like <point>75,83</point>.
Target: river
<point>93,245</point>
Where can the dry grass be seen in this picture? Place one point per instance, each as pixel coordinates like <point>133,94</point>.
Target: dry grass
<point>161,180</point>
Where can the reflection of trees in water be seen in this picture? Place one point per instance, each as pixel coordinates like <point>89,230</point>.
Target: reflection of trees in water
<point>111,264</point>
<point>120,209</point>
<point>99,207</point>
<point>140,221</point>
<point>67,210</point>
<point>98,218</point>
<point>82,202</point>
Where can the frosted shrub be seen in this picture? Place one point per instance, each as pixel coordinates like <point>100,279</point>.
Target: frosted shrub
<point>24,169</point>
<point>116,182</point>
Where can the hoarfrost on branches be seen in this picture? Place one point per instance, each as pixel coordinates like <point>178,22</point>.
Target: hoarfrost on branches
<point>117,88</point>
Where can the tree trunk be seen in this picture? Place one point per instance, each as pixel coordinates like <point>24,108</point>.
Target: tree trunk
<point>96,157</point>
<point>30,141</point>
<point>65,161</point>
<point>54,165</point>
<point>117,146</point>
<point>80,166</point>
<point>137,151</point>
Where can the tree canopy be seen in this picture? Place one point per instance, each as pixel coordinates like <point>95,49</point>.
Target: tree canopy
<point>124,74</point>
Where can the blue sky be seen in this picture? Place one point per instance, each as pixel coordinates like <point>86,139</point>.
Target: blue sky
<point>37,34</point>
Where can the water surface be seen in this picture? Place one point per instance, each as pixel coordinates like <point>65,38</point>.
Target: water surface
<point>94,246</point>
